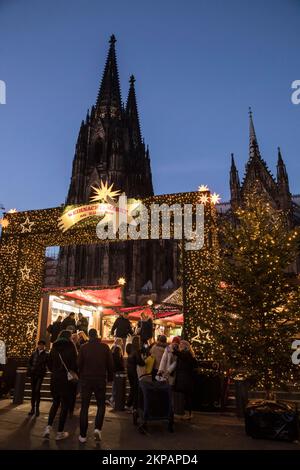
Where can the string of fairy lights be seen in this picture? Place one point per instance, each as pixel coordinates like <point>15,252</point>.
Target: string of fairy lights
<point>25,235</point>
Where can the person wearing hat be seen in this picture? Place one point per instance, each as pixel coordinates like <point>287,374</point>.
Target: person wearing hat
<point>168,361</point>
<point>37,368</point>
<point>122,328</point>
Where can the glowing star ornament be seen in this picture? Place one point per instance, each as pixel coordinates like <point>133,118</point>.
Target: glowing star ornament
<point>202,336</point>
<point>203,188</point>
<point>104,193</point>
<point>12,211</point>
<point>27,225</point>
<point>122,281</point>
<point>204,198</point>
<point>192,291</point>
<point>215,198</point>
<point>25,273</point>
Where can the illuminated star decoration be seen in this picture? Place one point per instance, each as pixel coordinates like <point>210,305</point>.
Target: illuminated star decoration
<point>27,225</point>
<point>104,193</point>
<point>204,198</point>
<point>122,281</point>
<point>4,223</point>
<point>25,273</point>
<point>203,188</point>
<point>193,291</point>
<point>202,336</point>
<point>215,198</point>
<point>12,211</point>
<point>31,327</point>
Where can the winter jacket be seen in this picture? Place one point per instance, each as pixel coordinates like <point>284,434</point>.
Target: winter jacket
<point>168,365</point>
<point>95,362</point>
<point>121,328</point>
<point>59,380</point>
<point>186,363</point>
<point>38,363</point>
<point>134,359</point>
<point>118,359</point>
<point>145,329</point>
<point>157,352</point>
<point>54,330</point>
<point>67,323</point>
<point>82,325</point>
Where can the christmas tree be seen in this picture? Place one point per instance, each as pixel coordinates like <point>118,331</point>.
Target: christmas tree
<point>258,314</point>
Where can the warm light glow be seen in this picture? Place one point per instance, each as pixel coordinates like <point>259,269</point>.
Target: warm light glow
<point>203,188</point>
<point>12,211</point>
<point>122,281</point>
<point>4,223</point>
<point>215,198</point>
<point>204,198</point>
<point>104,193</point>
<point>150,302</point>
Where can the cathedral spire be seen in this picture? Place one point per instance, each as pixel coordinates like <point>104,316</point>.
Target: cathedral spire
<point>235,186</point>
<point>133,115</point>
<point>282,176</point>
<point>109,96</point>
<point>253,144</point>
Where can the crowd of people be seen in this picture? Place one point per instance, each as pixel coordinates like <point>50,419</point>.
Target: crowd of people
<point>80,363</point>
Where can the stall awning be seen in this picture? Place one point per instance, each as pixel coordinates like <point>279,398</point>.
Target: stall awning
<point>105,297</point>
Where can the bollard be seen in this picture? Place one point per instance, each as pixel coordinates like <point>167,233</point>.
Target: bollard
<point>241,396</point>
<point>120,391</point>
<point>20,380</point>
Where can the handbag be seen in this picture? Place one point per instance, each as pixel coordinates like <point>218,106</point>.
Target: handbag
<point>71,375</point>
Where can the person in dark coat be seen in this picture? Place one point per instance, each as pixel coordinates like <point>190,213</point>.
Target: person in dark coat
<point>63,357</point>
<point>95,370</point>
<point>122,328</point>
<point>157,350</point>
<point>184,381</point>
<point>82,323</point>
<point>69,323</point>
<point>145,328</point>
<point>118,365</point>
<point>55,328</point>
<point>134,359</point>
<point>37,368</point>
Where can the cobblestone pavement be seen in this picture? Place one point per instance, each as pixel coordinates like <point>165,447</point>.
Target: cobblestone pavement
<point>205,431</point>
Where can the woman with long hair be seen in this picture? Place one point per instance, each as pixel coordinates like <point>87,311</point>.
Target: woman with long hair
<point>63,358</point>
<point>184,379</point>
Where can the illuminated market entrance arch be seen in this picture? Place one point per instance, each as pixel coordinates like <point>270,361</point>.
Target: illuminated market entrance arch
<point>26,235</point>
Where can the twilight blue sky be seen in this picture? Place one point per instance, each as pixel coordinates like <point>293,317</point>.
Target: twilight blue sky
<point>199,64</point>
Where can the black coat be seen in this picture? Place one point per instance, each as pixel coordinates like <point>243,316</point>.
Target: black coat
<point>146,329</point>
<point>83,324</point>
<point>186,364</point>
<point>60,386</point>
<point>54,330</point>
<point>38,363</point>
<point>122,327</point>
<point>67,322</point>
<point>134,359</point>
<point>118,359</point>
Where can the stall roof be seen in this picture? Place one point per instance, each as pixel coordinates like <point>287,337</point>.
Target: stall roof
<point>105,297</point>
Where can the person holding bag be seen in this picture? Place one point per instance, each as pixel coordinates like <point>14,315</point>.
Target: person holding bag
<point>63,365</point>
